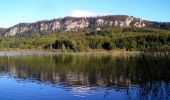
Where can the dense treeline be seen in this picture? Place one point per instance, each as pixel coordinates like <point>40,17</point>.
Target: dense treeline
<point>130,39</point>
<point>158,25</point>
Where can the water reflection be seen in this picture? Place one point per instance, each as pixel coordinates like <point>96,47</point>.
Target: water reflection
<point>136,77</point>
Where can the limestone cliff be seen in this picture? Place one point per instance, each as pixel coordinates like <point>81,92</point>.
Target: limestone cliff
<point>76,24</point>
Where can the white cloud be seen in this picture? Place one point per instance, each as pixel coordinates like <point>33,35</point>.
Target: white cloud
<point>84,13</point>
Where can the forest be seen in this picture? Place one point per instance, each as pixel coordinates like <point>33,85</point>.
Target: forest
<point>128,39</point>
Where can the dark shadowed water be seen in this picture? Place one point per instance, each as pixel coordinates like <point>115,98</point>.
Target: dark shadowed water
<point>61,77</point>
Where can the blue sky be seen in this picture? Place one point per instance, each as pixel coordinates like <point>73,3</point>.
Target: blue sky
<point>17,11</point>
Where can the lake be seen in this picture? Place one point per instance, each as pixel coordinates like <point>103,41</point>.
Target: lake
<point>68,77</point>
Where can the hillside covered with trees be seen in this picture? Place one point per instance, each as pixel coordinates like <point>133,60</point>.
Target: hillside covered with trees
<point>76,34</point>
<point>129,39</point>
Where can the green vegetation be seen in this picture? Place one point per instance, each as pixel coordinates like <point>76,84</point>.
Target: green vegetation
<point>130,39</point>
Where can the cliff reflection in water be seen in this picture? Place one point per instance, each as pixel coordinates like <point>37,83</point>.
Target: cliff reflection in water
<point>151,73</point>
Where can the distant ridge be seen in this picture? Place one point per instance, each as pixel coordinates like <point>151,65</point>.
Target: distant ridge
<point>77,24</point>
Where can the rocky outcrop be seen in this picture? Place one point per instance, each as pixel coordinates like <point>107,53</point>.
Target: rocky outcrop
<point>76,24</point>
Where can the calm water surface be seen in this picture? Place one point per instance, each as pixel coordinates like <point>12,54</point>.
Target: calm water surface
<point>61,77</point>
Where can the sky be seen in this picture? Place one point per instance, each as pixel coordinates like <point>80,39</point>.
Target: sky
<point>20,11</point>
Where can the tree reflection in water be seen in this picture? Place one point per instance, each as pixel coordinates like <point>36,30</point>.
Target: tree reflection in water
<point>139,77</point>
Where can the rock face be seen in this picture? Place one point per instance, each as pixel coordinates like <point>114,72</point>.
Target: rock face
<point>76,24</point>
<point>71,25</point>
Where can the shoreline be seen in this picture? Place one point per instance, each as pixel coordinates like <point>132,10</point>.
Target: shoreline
<point>88,53</point>
<point>93,53</point>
